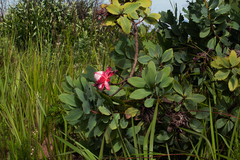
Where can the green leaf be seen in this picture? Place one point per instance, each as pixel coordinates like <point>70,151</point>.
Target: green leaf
<point>196,125</point>
<point>158,50</point>
<point>68,99</point>
<point>223,9</point>
<point>150,20</point>
<point>137,82</point>
<point>74,114</point>
<point>90,73</point>
<point>124,63</point>
<point>215,65</point>
<point>164,136</point>
<point>142,31</point>
<point>152,53</point>
<point>225,40</point>
<point>110,20</point>
<point>233,83</point>
<point>130,131</point>
<point>92,121</point>
<point>219,49</point>
<point>164,73</point>
<point>145,3</point>
<point>151,65</point>
<point>150,78</point>
<point>204,11</point>
<point>104,110</point>
<point>221,122</point>
<point>212,43</point>
<point>84,83</point>
<point>133,15</point>
<point>140,94</point>
<point>130,7</point>
<point>114,89</point>
<point>86,107</point>
<point>123,123</point>
<point>182,67</point>
<point>147,11</point>
<point>222,74</point>
<point>69,80</point>
<point>119,48</point>
<point>66,87</point>
<point>203,113</point>
<point>113,125</point>
<point>233,58</point>
<point>177,87</point>
<point>188,90</point>
<point>177,98</point>
<point>205,32</point>
<point>166,82</point>
<point>116,145</point>
<point>214,4</point>
<point>220,19</point>
<point>167,55</point>
<point>125,24</point>
<point>99,129</point>
<point>191,106</point>
<point>113,9</point>
<point>144,59</point>
<point>198,98</point>
<point>80,94</point>
<point>132,111</point>
<point>149,102</point>
<point>223,61</point>
<point>154,15</point>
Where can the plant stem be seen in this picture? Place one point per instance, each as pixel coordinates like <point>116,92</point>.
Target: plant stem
<point>136,49</point>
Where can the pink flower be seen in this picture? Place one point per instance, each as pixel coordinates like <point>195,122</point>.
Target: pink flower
<point>102,78</point>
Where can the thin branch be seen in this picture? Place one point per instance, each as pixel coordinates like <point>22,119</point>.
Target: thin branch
<point>136,49</point>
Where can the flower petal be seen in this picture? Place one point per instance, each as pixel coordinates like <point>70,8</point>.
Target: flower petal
<point>107,85</point>
<point>98,75</point>
<point>101,86</point>
<point>108,70</point>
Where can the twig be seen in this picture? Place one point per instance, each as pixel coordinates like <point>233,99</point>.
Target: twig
<point>136,50</point>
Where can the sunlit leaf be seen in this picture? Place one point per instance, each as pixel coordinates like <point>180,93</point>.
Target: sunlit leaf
<point>125,24</point>
<point>222,74</point>
<point>130,7</point>
<point>104,110</point>
<point>233,83</point>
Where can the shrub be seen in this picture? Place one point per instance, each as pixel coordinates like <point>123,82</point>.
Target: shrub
<point>178,93</point>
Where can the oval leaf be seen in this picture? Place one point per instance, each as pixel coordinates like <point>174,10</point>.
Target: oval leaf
<point>144,59</point>
<point>74,114</point>
<point>140,94</point>
<point>125,23</point>
<point>132,111</point>
<point>233,83</point>
<point>177,87</point>
<point>167,55</point>
<point>154,15</point>
<point>149,102</point>
<point>222,74</point>
<point>137,82</point>
<point>205,32</point>
<point>113,9</point>
<point>197,98</point>
<point>233,58</point>
<point>130,7</point>
<point>196,125</point>
<point>104,110</point>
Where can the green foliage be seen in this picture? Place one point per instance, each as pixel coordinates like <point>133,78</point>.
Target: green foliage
<point>28,19</point>
<point>167,86</point>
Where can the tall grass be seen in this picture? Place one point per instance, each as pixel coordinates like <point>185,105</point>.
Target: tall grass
<point>30,111</point>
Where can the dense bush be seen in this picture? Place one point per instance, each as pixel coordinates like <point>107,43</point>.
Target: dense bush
<point>174,96</point>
